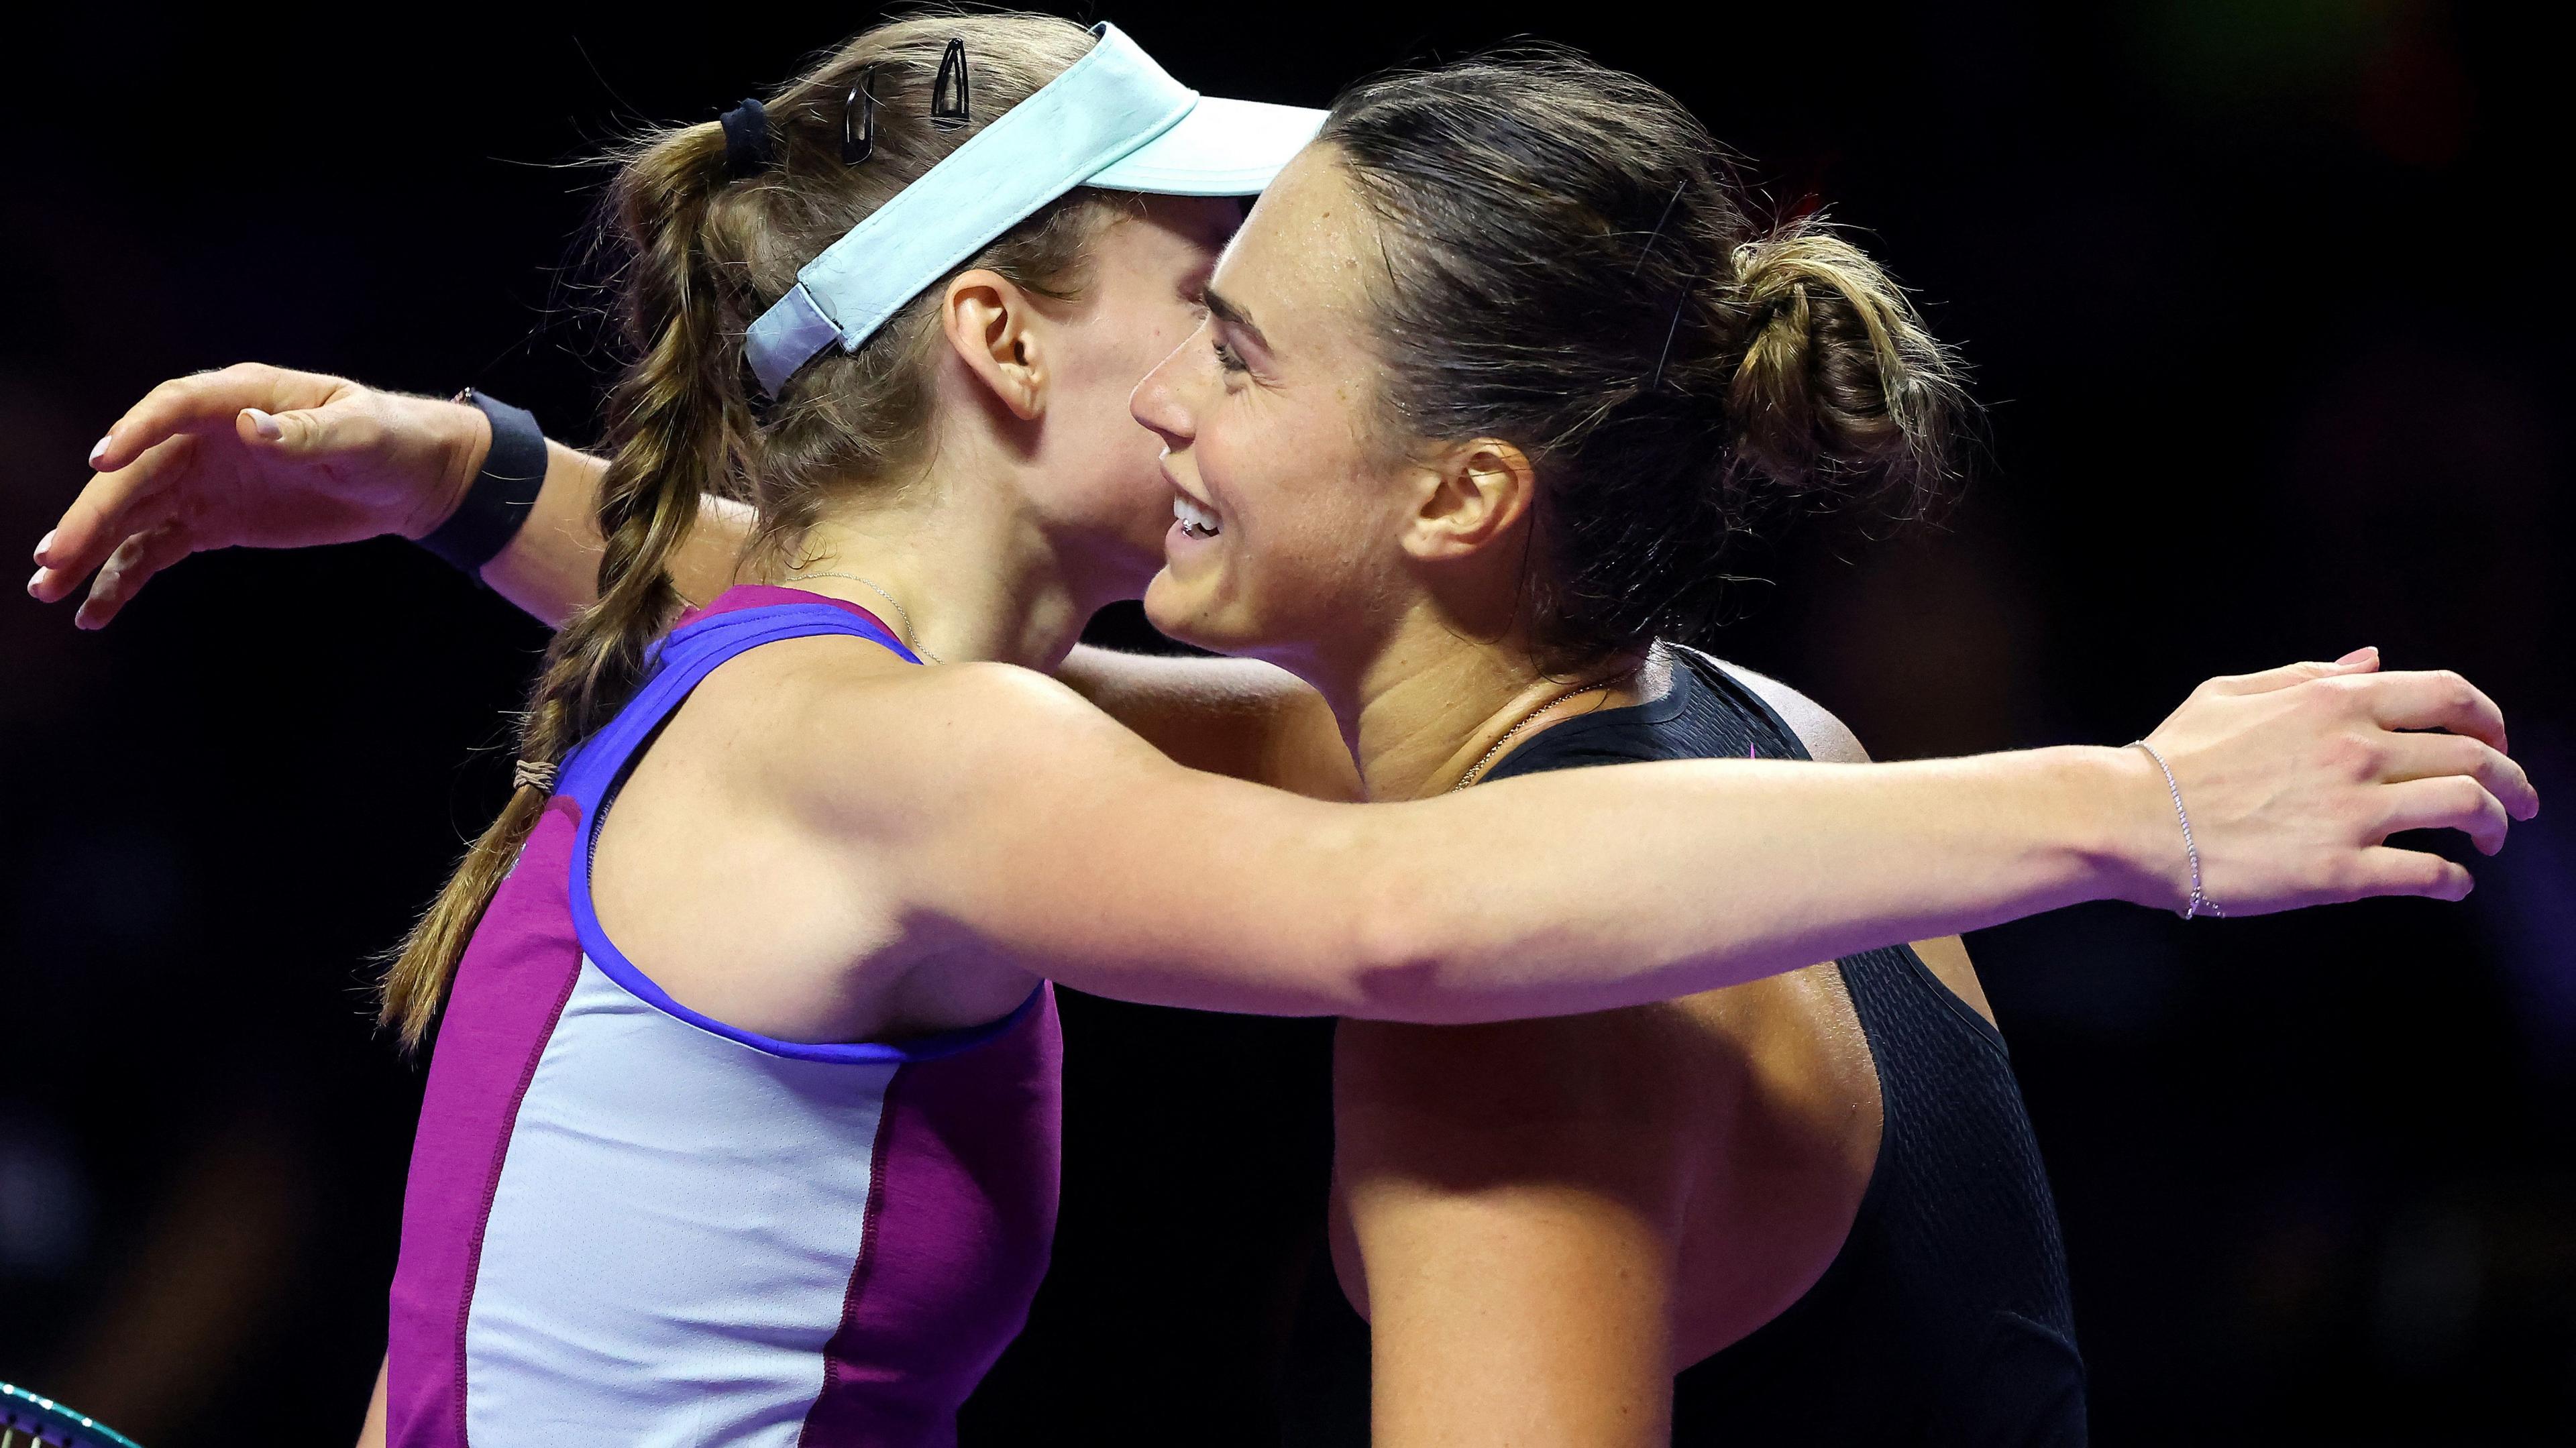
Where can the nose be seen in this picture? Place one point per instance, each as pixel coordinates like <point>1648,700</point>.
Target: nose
<point>1158,403</point>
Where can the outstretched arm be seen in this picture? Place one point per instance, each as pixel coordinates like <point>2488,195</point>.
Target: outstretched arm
<point>264,457</point>
<point>1001,809</point>
<point>1703,878</point>
<point>252,456</point>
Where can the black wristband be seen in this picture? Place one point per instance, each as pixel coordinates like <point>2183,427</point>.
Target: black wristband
<point>503,493</point>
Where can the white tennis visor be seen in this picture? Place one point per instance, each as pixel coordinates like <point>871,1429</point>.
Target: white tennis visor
<point>1113,120</point>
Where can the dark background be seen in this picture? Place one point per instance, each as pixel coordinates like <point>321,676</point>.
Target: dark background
<point>2269,333</point>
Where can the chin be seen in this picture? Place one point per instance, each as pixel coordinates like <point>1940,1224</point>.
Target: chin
<point>1169,613</point>
<point>1178,614</point>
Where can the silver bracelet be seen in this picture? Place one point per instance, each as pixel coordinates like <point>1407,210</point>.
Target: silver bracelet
<point>2200,903</point>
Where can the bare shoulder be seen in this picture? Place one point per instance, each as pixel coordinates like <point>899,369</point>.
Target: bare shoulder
<point>1825,736</point>
<point>948,723</point>
<point>1828,738</point>
<point>821,725</point>
<point>800,773</point>
<point>841,699</point>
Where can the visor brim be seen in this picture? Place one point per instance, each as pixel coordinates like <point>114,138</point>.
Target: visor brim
<point>1221,148</point>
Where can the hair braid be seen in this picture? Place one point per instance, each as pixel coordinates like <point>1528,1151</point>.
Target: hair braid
<point>709,252</point>
<point>672,436</point>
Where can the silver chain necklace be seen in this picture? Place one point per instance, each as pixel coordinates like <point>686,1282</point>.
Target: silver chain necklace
<point>900,611</point>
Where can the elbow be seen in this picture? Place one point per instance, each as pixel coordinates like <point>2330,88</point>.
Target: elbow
<point>1379,934</point>
<point>1400,966</point>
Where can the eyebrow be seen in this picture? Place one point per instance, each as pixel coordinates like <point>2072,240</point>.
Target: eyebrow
<point>1233,315</point>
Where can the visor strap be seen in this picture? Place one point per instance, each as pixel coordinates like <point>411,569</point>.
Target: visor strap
<point>788,336</point>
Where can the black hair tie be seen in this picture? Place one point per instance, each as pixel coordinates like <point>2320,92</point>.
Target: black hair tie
<point>749,147</point>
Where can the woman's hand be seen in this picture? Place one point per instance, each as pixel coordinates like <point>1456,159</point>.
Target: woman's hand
<point>2295,778</point>
<point>255,456</point>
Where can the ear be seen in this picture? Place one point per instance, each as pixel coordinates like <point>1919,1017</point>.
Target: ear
<point>1474,495</point>
<point>995,329</point>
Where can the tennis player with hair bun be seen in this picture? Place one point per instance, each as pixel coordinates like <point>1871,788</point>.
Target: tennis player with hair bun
<point>741,1124</point>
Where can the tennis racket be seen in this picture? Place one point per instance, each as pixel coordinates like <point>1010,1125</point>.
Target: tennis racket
<point>28,1420</point>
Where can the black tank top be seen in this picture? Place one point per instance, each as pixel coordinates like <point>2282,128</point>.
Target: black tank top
<point>1944,1319</point>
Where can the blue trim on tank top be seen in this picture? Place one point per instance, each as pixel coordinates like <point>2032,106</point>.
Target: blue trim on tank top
<point>680,661</point>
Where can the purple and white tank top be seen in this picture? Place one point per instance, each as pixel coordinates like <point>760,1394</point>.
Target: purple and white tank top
<point>630,1224</point>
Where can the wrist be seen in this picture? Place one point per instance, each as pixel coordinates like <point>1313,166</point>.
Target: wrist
<point>464,437</point>
<point>2125,824</point>
<point>502,482</point>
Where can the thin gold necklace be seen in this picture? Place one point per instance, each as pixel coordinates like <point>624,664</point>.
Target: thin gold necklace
<point>1476,771</point>
<point>900,611</point>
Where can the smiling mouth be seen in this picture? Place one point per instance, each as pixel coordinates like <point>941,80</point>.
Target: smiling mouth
<point>1196,522</point>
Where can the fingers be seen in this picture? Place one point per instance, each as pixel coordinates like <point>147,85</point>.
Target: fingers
<point>205,402</point>
<point>114,506</point>
<point>134,499</point>
<point>2438,699</point>
<point>2386,871</point>
<point>2359,661</point>
<point>129,568</point>
<point>2453,802</point>
<point>154,458</point>
<point>2430,756</point>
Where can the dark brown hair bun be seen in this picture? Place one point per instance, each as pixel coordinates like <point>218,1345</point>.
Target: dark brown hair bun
<point>1572,267</point>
